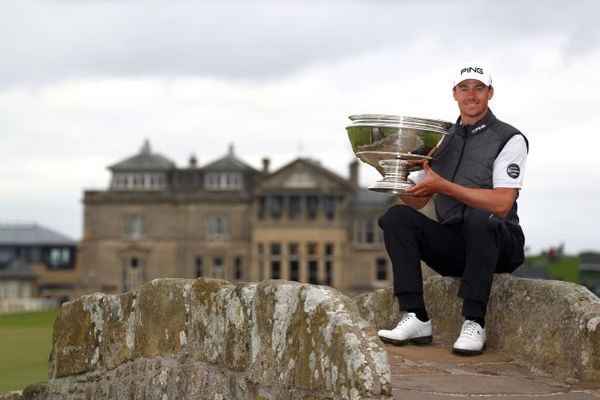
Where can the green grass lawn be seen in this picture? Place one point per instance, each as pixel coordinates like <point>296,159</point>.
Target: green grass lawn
<point>565,268</point>
<point>25,344</point>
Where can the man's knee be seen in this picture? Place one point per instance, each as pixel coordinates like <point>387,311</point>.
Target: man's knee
<point>398,214</point>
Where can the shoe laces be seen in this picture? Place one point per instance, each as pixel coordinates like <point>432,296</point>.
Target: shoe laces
<point>407,317</point>
<point>471,328</point>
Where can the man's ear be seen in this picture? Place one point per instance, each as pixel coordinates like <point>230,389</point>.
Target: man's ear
<point>454,92</point>
<point>491,93</point>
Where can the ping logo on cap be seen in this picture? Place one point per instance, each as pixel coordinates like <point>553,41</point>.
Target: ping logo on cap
<point>472,69</point>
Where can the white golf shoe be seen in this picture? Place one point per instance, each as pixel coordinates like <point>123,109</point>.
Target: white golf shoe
<point>409,330</point>
<point>471,340</point>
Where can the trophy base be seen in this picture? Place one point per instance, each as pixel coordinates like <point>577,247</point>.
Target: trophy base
<point>391,187</point>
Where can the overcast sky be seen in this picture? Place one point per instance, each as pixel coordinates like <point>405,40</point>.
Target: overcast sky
<point>84,83</point>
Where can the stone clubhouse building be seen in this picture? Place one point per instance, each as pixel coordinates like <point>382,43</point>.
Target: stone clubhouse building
<point>229,220</point>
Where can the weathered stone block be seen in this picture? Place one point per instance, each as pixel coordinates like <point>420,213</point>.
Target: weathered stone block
<point>380,308</point>
<point>220,322</point>
<point>116,333</point>
<point>551,323</point>
<point>312,338</point>
<point>74,348</point>
<point>163,307</point>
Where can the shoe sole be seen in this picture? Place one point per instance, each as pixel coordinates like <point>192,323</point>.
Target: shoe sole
<point>418,340</point>
<point>465,352</point>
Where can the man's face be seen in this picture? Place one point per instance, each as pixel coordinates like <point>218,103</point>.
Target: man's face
<point>472,97</point>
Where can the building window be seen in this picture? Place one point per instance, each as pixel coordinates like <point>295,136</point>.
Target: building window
<point>329,249</point>
<point>59,258</point>
<point>139,181</point>
<point>218,268</point>
<point>313,268</point>
<point>329,253</point>
<point>329,206</point>
<point>199,269</point>
<point>223,180</point>
<point>312,207</point>
<point>134,225</point>
<point>275,249</point>
<point>293,249</point>
<point>275,252</point>
<point>381,269</point>
<point>328,272</point>
<point>367,232</point>
<point>300,180</point>
<point>13,289</point>
<point>294,207</point>
<point>275,206</point>
<point>312,249</point>
<point>275,269</point>
<point>294,263</point>
<point>294,270</point>
<point>133,273</point>
<point>217,227</point>
<point>237,273</point>
<point>25,289</point>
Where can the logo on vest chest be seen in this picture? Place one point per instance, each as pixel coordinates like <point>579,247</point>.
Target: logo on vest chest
<point>513,170</point>
<point>478,129</point>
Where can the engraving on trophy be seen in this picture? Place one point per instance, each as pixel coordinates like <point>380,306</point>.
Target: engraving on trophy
<point>392,144</point>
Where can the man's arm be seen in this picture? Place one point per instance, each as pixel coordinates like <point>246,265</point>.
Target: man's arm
<point>498,200</point>
<point>413,201</point>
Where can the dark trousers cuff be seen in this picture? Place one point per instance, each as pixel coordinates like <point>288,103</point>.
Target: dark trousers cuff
<point>410,301</point>
<point>474,309</point>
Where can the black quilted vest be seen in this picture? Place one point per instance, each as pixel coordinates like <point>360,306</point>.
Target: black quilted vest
<point>466,157</point>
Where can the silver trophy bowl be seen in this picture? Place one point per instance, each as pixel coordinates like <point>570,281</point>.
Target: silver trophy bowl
<point>395,145</point>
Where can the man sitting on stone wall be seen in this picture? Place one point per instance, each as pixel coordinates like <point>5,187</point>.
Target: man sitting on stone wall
<point>477,175</point>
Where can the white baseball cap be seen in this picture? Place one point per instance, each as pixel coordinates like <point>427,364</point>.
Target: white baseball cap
<point>479,73</point>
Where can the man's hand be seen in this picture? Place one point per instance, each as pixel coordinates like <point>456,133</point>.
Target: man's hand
<point>432,184</point>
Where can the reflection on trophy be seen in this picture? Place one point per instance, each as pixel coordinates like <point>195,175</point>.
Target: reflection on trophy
<point>395,145</point>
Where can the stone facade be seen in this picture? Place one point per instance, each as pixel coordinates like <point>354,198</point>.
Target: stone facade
<point>227,220</point>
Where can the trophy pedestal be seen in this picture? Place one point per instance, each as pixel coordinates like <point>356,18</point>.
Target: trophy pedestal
<point>395,178</point>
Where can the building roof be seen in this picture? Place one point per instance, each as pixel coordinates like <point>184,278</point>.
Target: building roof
<point>31,234</point>
<point>589,258</point>
<point>17,269</point>
<point>229,162</point>
<point>315,166</point>
<point>145,160</point>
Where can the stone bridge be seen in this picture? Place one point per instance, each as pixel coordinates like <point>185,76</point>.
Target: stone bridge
<point>211,339</point>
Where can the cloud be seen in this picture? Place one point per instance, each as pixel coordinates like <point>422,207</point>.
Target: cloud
<point>54,40</point>
<point>82,84</point>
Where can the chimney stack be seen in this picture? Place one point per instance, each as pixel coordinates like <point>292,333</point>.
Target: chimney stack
<point>354,173</point>
<point>193,161</point>
<point>266,163</point>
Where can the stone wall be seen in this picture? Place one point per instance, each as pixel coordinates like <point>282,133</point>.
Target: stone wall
<point>208,338</point>
<point>553,325</point>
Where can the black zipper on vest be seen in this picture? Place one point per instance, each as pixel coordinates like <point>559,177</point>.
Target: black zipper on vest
<point>462,151</point>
